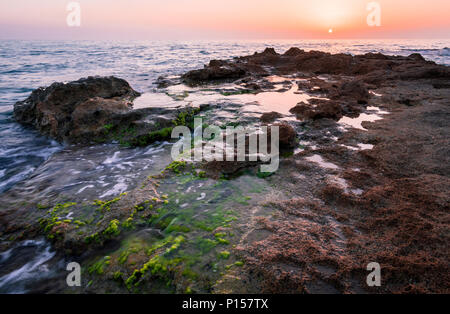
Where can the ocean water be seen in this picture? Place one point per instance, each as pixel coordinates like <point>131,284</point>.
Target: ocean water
<point>26,65</point>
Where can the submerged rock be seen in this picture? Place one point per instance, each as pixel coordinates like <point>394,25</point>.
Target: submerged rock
<point>270,116</point>
<point>97,109</point>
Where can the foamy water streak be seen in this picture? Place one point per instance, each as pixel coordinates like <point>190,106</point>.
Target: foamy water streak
<point>28,270</point>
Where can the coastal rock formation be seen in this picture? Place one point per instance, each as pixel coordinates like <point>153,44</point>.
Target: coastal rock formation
<point>385,201</point>
<point>216,70</point>
<point>96,109</point>
<point>47,107</point>
<point>287,136</point>
<point>317,109</point>
<point>374,68</point>
<point>287,141</point>
<point>268,117</point>
<point>353,89</point>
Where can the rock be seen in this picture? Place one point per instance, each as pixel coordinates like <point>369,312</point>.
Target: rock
<point>252,86</point>
<point>89,100</point>
<point>270,116</point>
<point>374,68</point>
<point>96,109</point>
<point>217,168</point>
<point>317,109</point>
<point>60,99</point>
<point>164,82</point>
<point>269,51</point>
<point>416,56</point>
<point>353,89</point>
<point>323,63</point>
<point>288,136</point>
<point>425,72</point>
<point>294,51</point>
<point>216,70</point>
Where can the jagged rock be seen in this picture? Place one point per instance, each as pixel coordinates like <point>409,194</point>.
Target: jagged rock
<point>96,109</point>
<point>317,109</point>
<point>353,89</point>
<point>270,116</point>
<point>374,68</point>
<point>288,136</point>
<point>216,70</point>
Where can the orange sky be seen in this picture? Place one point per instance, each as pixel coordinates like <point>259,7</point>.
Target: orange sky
<point>191,19</point>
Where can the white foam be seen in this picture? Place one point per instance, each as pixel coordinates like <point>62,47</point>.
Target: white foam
<point>365,146</point>
<point>35,268</point>
<point>202,196</point>
<point>84,188</point>
<point>110,160</point>
<point>319,160</point>
<point>118,188</point>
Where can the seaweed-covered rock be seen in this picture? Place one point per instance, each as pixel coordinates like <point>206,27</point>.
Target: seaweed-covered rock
<point>97,109</point>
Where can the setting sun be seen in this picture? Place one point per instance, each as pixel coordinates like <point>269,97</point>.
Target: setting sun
<point>175,19</point>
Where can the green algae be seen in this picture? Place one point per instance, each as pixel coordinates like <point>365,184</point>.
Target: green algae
<point>176,166</point>
<point>183,118</point>
<point>224,255</point>
<point>98,267</point>
<point>193,235</point>
<point>158,265</point>
<point>264,175</point>
<point>106,205</point>
<point>205,245</point>
<point>113,228</point>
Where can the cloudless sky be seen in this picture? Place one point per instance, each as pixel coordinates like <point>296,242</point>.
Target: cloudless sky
<point>222,19</point>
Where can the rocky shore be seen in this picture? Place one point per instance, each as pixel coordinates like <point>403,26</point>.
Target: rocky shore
<point>363,178</point>
<point>97,110</point>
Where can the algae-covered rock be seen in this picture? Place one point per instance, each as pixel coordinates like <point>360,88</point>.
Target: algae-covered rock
<point>97,109</point>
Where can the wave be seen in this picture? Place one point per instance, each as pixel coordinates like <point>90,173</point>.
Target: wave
<point>34,269</point>
<point>419,49</point>
<point>444,52</point>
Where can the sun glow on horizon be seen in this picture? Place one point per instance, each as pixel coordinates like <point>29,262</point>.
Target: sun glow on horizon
<point>182,19</point>
<point>330,12</point>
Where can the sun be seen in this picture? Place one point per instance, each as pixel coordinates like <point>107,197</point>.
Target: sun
<point>330,31</point>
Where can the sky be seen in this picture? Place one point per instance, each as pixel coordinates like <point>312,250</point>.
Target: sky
<point>224,19</point>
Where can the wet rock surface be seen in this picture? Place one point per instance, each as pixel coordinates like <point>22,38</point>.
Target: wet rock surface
<point>349,201</point>
<point>295,60</point>
<point>96,110</point>
<point>317,109</point>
